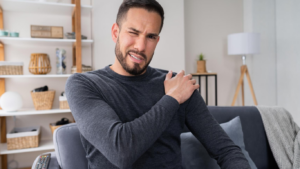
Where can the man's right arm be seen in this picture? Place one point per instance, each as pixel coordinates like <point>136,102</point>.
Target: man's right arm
<point>121,143</point>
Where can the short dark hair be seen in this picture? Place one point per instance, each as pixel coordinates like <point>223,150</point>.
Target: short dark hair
<point>149,5</point>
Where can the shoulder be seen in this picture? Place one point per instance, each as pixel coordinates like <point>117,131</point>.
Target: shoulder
<point>88,78</point>
<point>157,72</point>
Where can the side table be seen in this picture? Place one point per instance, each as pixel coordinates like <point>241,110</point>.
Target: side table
<point>206,75</point>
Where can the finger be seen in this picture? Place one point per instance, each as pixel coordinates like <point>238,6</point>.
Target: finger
<point>169,75</point>
<point>189,76</point>
<point>181,73</point>
<point>193,81</point>
<point>197,86</point>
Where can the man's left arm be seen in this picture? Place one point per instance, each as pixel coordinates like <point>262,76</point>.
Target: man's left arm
<point>208,131</point>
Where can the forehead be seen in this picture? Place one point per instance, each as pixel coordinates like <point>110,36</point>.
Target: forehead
<point>142,20</point>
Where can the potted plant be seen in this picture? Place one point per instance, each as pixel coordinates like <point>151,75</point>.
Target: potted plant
<point>201,64</point>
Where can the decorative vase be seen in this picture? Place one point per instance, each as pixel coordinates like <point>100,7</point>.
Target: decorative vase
<point>61,65</point>
<point>201,66</point>
<point>11,101</point>
<point>39,64</point>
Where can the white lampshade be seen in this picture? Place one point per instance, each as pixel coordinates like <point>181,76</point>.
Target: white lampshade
<point>243,43</point>
<point>11,101</point>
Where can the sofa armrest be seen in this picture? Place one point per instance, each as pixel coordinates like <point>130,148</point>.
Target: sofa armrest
<point>53,164</point>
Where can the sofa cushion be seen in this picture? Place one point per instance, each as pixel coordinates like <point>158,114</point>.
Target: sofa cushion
<point>194,154</point>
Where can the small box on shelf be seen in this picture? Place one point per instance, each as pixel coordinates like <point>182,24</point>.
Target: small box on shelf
<point>47,32</point>
<point>63,102</point>
<point>84,69</point>
<point>25,137</point>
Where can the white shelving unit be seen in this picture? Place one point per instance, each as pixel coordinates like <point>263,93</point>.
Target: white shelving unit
<point>31,111</point>
<point>35,76</point>
<point>36,7</point>
<point>42,7</point>
<point>44,145</point>
<point>42,41</point>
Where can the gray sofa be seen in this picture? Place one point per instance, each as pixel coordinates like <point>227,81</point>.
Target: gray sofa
<point>69,153</point>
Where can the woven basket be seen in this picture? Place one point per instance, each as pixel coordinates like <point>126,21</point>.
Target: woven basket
<point>43,100</point>
<point>39,64</point>
<point>64,105</point>
<point>11,70</point>
<point>23,142</point>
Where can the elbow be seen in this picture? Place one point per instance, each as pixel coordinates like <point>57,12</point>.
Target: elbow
<point>123,161</point>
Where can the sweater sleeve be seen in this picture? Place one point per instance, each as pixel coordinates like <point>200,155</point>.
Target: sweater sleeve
<point>121,143</point>
<point>208,131</point>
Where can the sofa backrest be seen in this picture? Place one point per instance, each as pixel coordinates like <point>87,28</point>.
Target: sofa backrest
<point>70,153</point>
<point>255,138</point>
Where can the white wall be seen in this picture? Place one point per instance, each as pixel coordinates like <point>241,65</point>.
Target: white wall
<point>169,53</point>
<point>276,69</point>
<point>288,52</point>
<point>20,21</point>
<point>207,24</point>
<point>260,18</point>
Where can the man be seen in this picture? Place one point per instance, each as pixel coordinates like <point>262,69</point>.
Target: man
<point>131,115</point>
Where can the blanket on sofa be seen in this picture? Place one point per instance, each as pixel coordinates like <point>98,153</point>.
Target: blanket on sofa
<point>283,136</point>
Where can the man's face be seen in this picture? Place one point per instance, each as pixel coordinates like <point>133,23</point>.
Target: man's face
<point>136,39</point>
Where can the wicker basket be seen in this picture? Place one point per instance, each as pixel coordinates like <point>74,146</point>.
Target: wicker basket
<point>11,68</point>
<point>39,64</point>
<point>53,127</point>
<point>63,103</point>
<point>25,138</point>
<point>43,100</point>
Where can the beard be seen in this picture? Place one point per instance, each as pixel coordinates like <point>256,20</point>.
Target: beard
<point>136,69</point>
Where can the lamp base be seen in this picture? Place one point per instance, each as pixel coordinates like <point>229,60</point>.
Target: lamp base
<point>244,70</point>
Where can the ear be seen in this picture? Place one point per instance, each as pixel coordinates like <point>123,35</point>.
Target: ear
<point>115,32</point>
<point>158,38</point>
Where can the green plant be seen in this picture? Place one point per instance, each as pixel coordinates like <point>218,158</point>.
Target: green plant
<point>201,57</point>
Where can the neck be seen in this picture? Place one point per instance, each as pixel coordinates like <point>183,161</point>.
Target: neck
<point>118,68</point>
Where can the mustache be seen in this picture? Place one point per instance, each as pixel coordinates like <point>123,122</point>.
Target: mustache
<point>138,53</point>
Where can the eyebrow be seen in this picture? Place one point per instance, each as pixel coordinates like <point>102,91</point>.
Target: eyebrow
<point>135,30</point>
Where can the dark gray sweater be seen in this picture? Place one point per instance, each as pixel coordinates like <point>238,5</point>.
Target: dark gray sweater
<point>129,123</point>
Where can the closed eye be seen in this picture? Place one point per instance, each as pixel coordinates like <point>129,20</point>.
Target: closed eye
<point>133,33</point>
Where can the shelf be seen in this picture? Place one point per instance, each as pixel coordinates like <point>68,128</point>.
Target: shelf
<point>42,41</point>
<point>34,76</point>
<point>44,145</point>
<point>43,7</point>
<point>32,111</point>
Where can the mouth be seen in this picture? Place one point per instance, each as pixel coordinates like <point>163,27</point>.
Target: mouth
<point>136,58</point>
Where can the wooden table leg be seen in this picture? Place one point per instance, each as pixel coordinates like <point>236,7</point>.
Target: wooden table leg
<point>206,92</point>
<point>216,90</point>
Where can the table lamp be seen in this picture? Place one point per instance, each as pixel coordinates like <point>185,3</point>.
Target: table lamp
<point>243,44</point>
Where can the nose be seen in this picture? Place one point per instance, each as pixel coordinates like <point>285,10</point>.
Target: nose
<point>140,44</point>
